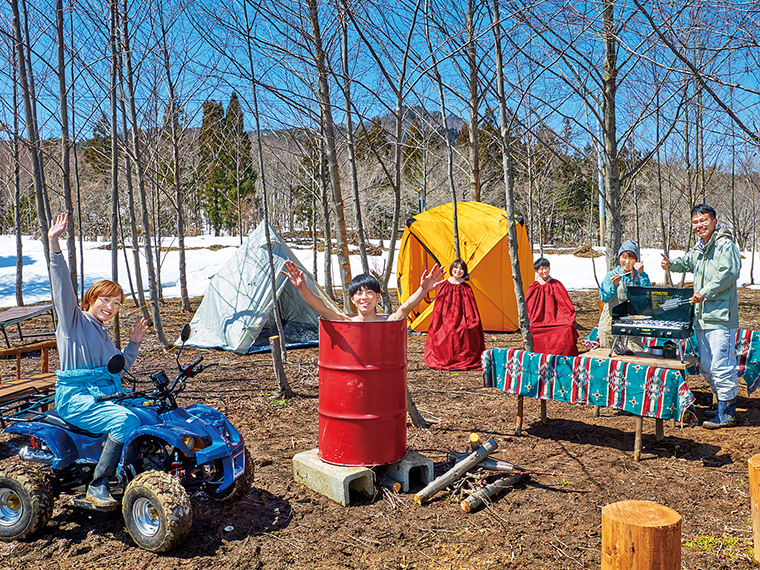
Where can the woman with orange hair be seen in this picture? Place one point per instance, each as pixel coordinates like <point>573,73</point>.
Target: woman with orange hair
<point>85,348</point>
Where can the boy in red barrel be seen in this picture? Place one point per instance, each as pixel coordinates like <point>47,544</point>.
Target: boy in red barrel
<point>364,292</point>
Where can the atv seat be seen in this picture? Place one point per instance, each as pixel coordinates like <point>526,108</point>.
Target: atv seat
<point>53,418</point>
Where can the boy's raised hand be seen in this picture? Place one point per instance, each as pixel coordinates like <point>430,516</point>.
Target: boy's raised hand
<point>294,274</point>
<point>430,280</point>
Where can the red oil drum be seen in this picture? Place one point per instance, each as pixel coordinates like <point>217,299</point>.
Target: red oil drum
<point>362,392</point>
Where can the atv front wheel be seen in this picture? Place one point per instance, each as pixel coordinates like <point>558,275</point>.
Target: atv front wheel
<point>240,487</point>
<point>26,501</point>
<point>156,511</point>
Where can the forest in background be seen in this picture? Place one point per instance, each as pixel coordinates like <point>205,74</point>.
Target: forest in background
<point>591,121</point>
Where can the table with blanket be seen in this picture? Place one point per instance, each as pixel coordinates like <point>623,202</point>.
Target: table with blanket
<point>644,391</point>
<point>747,353</point>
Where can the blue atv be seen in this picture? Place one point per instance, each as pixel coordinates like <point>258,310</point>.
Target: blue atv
<point>176,452</point>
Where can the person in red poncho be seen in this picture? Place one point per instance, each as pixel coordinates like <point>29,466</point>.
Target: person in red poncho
<point>455,339</point>
<point>551,314</point>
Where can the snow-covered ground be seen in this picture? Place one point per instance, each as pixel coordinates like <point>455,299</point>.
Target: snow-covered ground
<point>203,263</point>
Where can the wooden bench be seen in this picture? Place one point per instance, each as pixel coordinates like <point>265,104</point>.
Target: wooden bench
<point>44,347</point>
<point>38,384</point>
<point>29,394</point>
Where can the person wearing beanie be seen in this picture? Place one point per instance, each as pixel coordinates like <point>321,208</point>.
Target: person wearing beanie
<point>715,263</point>
<point>612,292</point>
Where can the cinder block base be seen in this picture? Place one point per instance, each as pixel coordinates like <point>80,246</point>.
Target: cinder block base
<point>332,481</point>
<point>413,467</point>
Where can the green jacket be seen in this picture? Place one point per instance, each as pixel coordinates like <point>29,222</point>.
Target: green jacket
<point>716,267</point>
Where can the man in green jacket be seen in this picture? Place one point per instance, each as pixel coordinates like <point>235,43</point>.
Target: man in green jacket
<point>715,263</point>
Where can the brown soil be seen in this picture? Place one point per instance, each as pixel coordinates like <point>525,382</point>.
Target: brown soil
<point>550,521</point>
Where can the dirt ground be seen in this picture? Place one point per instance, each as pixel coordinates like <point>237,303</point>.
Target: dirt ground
<point>552,520</point>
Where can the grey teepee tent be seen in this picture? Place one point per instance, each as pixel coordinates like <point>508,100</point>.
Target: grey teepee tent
<point>236,311</point>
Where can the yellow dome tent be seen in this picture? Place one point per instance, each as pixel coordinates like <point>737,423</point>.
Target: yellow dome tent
<point>483,235</point>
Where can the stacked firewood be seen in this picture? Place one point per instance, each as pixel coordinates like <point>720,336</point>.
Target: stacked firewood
<point>475,477</point>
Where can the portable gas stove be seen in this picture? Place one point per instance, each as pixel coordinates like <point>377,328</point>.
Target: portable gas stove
<point>661,312</point>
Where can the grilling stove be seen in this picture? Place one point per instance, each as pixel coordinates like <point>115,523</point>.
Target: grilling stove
<point>643,314</point>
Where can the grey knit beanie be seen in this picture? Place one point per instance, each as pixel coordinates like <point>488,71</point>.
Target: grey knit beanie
<point>631,247</point>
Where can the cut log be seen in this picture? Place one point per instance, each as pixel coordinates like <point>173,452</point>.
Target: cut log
<point>754,489</point>
<point>481,495</point>
<point>456,472</point>
<point>487,463</point>
<point>389,483</point>
<point>474,441</point>
<point>641,535</point>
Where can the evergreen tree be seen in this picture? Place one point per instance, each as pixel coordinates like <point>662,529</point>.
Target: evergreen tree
<point>240,176</point>
<point>227,175</point>
<point>211,174</point>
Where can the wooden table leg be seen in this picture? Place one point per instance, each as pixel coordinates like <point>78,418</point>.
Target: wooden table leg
<point>659,429</point>
<point>637,440</point>
<point>518,427</point>
<point>543,412</point>
<point>596,411</point>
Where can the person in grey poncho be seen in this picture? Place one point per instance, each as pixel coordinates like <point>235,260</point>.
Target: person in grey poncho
<point>85,348</point>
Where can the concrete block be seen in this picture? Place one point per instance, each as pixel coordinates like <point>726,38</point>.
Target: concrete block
<point>414,467</point>
<point>332,481</point>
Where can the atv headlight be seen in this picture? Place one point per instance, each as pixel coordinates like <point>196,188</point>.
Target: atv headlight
<point>193,443</point>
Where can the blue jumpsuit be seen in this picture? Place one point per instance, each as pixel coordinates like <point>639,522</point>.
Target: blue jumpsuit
<point>84,348</point>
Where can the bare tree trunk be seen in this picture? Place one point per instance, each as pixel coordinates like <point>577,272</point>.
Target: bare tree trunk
<point>329,135</point>
<point>449,149</point>
<point>314,231</point>
<point>350,138</point>
<point>76,167</point>
<point>279,353</point>
<point>114,161</point>
<point>17,185</point>
<point>136,156</point>
<point>663,231</point>
<point>140,289</point>
<point>609,134</point>
<point>33,105</point>
<point>33,139</point>
<point>327,235</point>
<point>522,309</point>
<point>474,147</point>
<point>174,114</point>
<point>65,143</point>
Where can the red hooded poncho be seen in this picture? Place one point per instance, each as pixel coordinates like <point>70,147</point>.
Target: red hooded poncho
<point>552,318</point>
<point>455,339</point>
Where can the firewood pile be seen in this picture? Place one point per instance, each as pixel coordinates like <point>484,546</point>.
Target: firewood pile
<point>475,478</point>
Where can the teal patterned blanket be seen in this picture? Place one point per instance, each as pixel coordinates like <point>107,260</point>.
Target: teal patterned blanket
<point>747,353</point>
<point>641,390</point>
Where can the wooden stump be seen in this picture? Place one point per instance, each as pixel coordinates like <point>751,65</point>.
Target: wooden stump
<point>640,535</point>
<point>754,489</point>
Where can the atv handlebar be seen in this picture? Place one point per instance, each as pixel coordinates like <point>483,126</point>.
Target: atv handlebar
<point>164,391</point>
<point>189,369</point>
